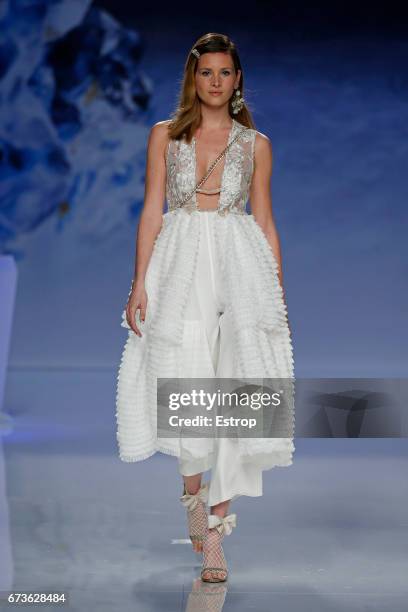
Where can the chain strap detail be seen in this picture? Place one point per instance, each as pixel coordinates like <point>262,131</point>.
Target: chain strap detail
<point>181,203</point>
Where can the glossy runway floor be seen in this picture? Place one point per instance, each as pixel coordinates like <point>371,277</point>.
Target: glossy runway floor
<point>329,533</point>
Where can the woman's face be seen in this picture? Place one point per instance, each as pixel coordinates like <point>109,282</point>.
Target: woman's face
<point>215,73</point>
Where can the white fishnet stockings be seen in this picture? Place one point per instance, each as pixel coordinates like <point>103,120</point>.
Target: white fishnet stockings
<point>214,567</point>
<point>214,564</point>
<point>197,517</point>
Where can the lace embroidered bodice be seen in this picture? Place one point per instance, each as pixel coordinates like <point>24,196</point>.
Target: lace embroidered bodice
<point>235,179</point>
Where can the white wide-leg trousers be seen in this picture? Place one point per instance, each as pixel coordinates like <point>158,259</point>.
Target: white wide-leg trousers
<point>207,352</point>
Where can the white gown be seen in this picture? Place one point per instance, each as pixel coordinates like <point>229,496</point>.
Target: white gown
<point>215,309</point>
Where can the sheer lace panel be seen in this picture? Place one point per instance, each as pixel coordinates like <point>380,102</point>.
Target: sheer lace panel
<point>237,173</point>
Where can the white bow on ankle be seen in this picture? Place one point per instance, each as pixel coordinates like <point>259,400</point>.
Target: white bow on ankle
<point>222,524</point>
<point>190,500</point>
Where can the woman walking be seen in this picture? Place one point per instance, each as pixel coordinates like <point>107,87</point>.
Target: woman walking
<point>207,297</point>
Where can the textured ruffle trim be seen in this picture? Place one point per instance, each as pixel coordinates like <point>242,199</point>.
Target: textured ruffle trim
<point>255,299</point>
<point>262,337</point>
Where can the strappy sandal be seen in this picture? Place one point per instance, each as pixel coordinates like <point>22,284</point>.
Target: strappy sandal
<point>197,515</point>
<point>214,564</point>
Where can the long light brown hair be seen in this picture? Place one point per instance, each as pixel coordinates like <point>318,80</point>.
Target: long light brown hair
<point>187,116</point>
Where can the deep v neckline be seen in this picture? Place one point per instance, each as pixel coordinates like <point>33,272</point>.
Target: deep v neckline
<point>196,179</point>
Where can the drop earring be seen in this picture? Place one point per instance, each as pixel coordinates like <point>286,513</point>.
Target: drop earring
<point>237,102</point>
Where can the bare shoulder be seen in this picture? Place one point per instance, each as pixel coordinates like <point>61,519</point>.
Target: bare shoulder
<point>158,139</point>
<point>263,144</point>
<point>263,149</point>
<point>159,131</point>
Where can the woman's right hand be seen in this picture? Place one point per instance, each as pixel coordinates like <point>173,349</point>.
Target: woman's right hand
<point>137,300</point>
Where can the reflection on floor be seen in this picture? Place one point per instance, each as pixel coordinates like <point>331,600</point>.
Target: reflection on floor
<point>328,534</point>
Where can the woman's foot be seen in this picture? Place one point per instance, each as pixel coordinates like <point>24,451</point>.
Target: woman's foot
<point>214,564</point>
<point>197,516</point>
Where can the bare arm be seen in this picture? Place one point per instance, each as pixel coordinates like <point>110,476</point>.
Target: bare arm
<point>260,196</point>
<point>151,219</point>
<point>155,185</point>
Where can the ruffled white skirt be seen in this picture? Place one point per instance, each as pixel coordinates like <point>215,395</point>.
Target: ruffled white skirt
<point>215,309</point>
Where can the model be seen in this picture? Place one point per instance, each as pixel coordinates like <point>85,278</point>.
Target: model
<point>207,298</point>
